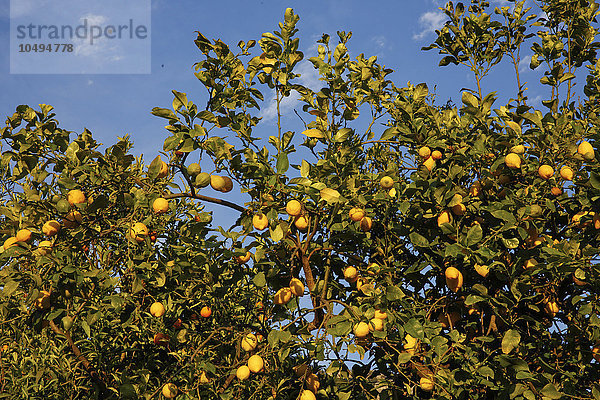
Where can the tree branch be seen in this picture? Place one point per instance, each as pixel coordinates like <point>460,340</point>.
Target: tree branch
<point>209,199</point>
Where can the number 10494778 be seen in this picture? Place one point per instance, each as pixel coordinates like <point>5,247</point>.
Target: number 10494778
<point>45,48</point>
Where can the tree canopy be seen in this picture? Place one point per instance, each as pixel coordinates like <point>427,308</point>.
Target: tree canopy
<point>391,248</point>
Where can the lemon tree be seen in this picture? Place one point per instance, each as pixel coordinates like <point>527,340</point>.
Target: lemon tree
<point>385,246</point>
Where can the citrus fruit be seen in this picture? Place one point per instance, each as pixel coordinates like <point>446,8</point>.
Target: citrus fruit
<point>297,287</point>
<point>454,278</point>
<point>293,208</point>
<point>512,160</point>
<point>206,311</point>
<point>386,182</point>
<point>249,342</point>
<point>243,373</point>
<point>75,196</point>
<point>566,173</point>
<point>424,152</point>
<point>545,171</point>
<point>160,205</point>
<point>260,222</point>
<point>361,329</point>
<point>51,228</point>
<point>157,309</point>
<point>170,390</point>
<point>23,235</point>
<point>256,363</point>
<point>356,214</point>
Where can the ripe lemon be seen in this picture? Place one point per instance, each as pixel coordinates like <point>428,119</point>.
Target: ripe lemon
<point>194,169</point>
<point>256,363</point>
<point>217,182</point>
<point>312,382</point>
<point>301,222</point>
<point>296,287</point>
<point>426,383</point>
<point>436,155</point>
<point>586,150</point>
<point>43,300</point>
<point>157,309</point>
<point>375,324</point>
<point>366,224</point>
<point>72,219</point>
<point>361,329</point>
<point>160,205</point>
<point>386,182</point>
<point>51,228</point>
<point>596,352</point>
<point>249,342</point>
<point>161,339</point>
<point>551,309</point>
<point>23,235</point>
<point>459,209</point>
<point>518,149</point>
<point>380,314</point>
<point>545,171</point>
<point>293,208</point>
<point>411,344</point>
<point>164,170</point>
<point>307,395</point>
<point>556,191</point>
<point>350,274</point>
<point>228,184</point>
<point>11,241</point>
<point>424,152</point>
<point>443,218</point>
<point>45,247</point>
<point>138,231</point>
<point>260,222</point>
<point>243,259</point>
<point>454,279</point>
<point>283,296</point>
<point>566,173</point>
<point>170,390</point>
<point>356,214</point>
<point>429,163</point>
<point>512,160</point>
<point>475,189</point>
<point>75,196</point>
<point>206,312</point>
<point>243,373</point>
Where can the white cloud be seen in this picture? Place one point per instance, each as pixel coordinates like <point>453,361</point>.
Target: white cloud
<point>524,64</point>
<point>309,78</point>
<point>429,22</point>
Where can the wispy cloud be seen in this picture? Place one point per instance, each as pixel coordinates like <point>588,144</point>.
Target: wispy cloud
<point>524,64</point>
<point>429,22</point>
<point>309,78</point>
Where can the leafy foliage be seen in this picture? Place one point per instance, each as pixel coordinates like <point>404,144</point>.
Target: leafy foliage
<point>516,317</point>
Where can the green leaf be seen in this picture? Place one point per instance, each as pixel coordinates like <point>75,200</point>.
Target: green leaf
<point>9,288</point>
<point>282,163</point>
<point>179,100</point>
<point>469,99</point>
<point>342,135</point>
<point>304,169</point>
<point>314,133</point>
<point>510,341</point>
<point>474,235</point>
<point>259,279</point>
<point>418,240</point>
<point>330,195</point>
<point>163,113</point>
<point>550,392</point>
<point>277,233</point>
<point>394,293</point>
<point>414,328</point>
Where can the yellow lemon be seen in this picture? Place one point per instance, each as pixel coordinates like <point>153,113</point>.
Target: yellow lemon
<point>217,182</point>
<point>512,160</point>
<point>297,287</point>
<point>157,309</point>
<point>350,274</point>
<point>249,342</point>
<point>160,205</point>
<point>307,395</point>
<point>23,235</point>
<point>366,224</point>
<point>164,170</point>
<point>356,214</point>
<point>411,344</point>
<point>260,222</point>
<point>424,152</point>
<point>436,155</point>
<point>361,329</point>
<point>283,296</point>
<point>45,247</point>
<point>170,390</point>
<point>11,241</point>
<point>256,363</point>
<point>426,383</point>
<point>586,150</point>
<point>566,173</point>
<point>429,163</point>
<point>243,373</point>
<point>301,222</point>
<point>386,182</point>
<point>75,196</point>
<point>443,218</point>
<point>51,228</point>
<point>545,171</point>
<point>138,231</point>
<point>293,208</point>
<point>454,279</point>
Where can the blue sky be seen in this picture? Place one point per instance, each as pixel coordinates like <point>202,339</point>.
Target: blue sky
<point>112,105</point>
